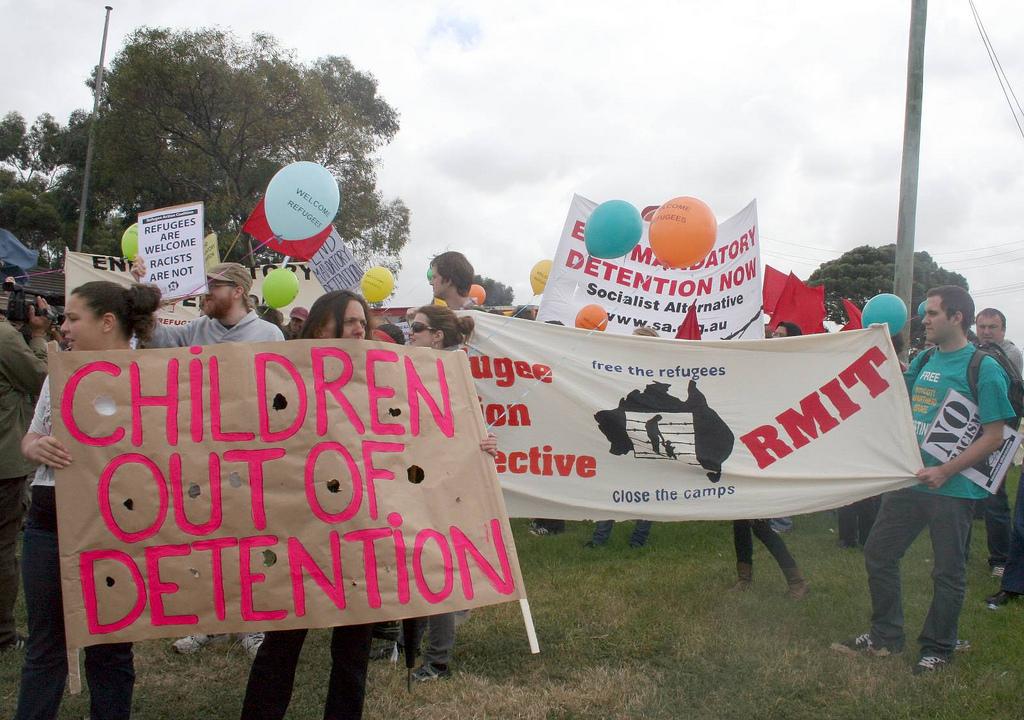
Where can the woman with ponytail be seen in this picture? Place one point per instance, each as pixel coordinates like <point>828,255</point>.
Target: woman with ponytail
<point>99,316</point>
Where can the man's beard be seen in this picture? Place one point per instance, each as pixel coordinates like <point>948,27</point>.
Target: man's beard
<point>217,308</point>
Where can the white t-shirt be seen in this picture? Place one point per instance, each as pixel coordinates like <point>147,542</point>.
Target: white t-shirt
<point>42,424</point>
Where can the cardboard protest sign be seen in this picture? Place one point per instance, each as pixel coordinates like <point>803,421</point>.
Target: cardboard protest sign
<point>335,266</point>
<point>80,268</point>
<point>283,485</point>
<point>725,288</point>
<point>596,426</point>
<point>956,426</point>
<point>171,242</point>
<point>211,251</point>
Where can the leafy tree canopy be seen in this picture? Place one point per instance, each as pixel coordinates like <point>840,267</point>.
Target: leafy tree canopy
<point>497,293</point>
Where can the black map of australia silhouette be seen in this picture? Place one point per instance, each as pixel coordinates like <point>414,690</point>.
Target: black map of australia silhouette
<point>711,439</point>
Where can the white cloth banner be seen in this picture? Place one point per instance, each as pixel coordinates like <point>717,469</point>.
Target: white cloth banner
<point>80,268</point>
<point>636,290</point>
<point>595,426</point>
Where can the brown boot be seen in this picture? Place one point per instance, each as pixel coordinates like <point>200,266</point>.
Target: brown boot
<point>798,587</point>
<point>745,577</point>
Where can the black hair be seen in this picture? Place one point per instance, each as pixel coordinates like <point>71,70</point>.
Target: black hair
<point>333,305</point>
<point>792,329</point>
<point>955,299</point>
<point>132,306</point>
<point>393,331</point>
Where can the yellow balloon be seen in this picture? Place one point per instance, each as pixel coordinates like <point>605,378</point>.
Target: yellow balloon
<point>539,276</point>
<point>377,284</point>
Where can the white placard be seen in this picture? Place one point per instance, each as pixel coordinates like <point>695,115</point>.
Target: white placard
<point>335,266</point>
<point>171,242</point>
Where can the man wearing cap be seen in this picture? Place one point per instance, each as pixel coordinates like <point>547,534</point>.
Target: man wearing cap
<point>296,320</point>
<point>227,316</point>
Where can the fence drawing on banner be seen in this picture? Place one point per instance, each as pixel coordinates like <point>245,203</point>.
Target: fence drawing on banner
<point>660,436</point>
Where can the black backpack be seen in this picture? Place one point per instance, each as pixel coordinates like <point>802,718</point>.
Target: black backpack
<point>1015,394</point>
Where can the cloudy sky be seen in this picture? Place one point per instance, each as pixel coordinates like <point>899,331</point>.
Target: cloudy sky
<point>507,109</point>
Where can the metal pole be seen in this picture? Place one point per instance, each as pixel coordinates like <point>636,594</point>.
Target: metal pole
<point>92,135</point>
<point>903,280</point>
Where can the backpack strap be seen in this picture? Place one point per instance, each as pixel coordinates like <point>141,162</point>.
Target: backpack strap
<point>974,372</point>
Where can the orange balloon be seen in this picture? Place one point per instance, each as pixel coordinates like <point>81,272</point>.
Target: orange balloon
<point>682,232</point>
<point>592,317</point>
<point>478,294</point>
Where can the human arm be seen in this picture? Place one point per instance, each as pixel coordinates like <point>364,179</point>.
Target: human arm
<point>490,445</point>
<point>990,440</point>
<point>45,450</point>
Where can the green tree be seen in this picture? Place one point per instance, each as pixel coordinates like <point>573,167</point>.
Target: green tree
<point>866,271</point>
<point>497,293</point>
<point>200,115</point>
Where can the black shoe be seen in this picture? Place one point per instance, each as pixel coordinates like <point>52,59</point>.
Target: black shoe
<point>930,664</point>
<point>1001,598</point>
<point>18,643</point>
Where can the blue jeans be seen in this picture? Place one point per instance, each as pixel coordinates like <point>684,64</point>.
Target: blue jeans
<point>997,526</point>
<point>109,668</point>
<point>902,517</point>
<point>603,532</point>
<point>1013,576</point>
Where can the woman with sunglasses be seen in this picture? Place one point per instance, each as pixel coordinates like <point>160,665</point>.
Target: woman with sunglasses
<point>99,316</point>
<point>437,327</point>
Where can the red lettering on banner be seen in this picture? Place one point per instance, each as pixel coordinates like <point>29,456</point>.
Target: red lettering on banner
<point>802,425</point>
<point>266,434</point>
<point>503,583</point>
<point>67,404</point>
<point>322,386</point>
<point>446,558</point>
<point>216,548</point>
<point>299,559</point>
<point>368,537</point>
<point>310,481</point>
<point>178,498</point>
<point>577,230</point>
<point>401,558</point>
<point>158,588</point>
<point>103,493</point>
<point>168,401</point>
<point>415,389</point>
<point>86,571</point>
<point>215,429</point>
<point>374,473</point>
<point>255,459</point>
<point>247,578</point>
<point>377,392</point>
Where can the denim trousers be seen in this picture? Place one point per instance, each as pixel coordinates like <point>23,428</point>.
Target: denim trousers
<point>109,669</point>
<point>603,532</point>
<point>1013,576</point>
<point>902,517</point>
<point>272,676</point>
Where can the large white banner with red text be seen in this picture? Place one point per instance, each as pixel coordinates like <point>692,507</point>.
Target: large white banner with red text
<point>636,290</point>
<point>595,426</point>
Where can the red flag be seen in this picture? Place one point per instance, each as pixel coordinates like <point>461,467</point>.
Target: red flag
<point>774,284</point>
<point>802,305</point>
<point>690,328</point>
<point>853,314</point>
<point>259,228</point>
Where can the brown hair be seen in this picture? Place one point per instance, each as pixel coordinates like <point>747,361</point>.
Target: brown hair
<point>455,268</point>
<point>646,331</point>
<point>457,329</point>
<point>132,307</point>
<point>955,299</point>
<point>333,305</point>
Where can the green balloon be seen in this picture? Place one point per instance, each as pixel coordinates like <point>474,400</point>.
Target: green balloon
<point>130,242</point>
<point>280,287</point>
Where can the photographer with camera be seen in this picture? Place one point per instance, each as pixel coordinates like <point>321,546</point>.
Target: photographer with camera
<point>22,371</point>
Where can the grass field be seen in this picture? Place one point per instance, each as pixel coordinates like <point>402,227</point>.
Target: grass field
<point>648,634</point>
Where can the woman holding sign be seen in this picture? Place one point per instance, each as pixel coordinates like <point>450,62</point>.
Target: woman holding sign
<point>336,315</point>
<point>99,316</point>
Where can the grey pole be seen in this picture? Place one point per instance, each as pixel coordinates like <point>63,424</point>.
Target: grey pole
<point>92,135</point>
<point>903,281</point>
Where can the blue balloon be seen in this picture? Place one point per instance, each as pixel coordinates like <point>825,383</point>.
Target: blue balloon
<point>301,200</point>
<point>613,229</point>
<point>921,307</point>
<point>885,309</point>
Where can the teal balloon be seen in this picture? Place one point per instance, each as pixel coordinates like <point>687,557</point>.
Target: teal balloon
<point>613,229</point>
<point>301,200</point>
<point>885,309</point>
<point>430,273</point>
<point>920,308</point>
<point>280,287</point>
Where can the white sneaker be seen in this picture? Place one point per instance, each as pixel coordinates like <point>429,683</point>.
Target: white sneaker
<point>251,643</point>
<point>190,644</point>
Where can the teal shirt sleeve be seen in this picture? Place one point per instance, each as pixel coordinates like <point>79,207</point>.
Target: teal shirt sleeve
<point>993,388</point>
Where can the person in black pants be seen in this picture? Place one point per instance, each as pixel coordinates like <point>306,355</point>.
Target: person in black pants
<point>855,521</point>
<point>741,534</point>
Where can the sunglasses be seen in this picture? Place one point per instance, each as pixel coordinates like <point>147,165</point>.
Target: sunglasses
<point>418,327</point>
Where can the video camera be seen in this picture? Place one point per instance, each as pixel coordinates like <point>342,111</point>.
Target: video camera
<point>19,300</point>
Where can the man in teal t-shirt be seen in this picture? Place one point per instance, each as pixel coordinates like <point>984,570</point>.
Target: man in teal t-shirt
<point>943,501</point>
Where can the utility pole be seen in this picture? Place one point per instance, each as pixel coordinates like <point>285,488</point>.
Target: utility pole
<point>82,207</point>
<point>903,281</point>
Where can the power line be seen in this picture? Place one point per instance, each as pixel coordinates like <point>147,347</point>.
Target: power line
<point>998,68</point>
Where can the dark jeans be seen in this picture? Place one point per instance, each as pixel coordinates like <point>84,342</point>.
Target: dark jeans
<point>902,517</point>
<point>109,668</point>
<point>856,519</point>
<point>603,532</point>
<point>272,675</point>
<point>997,526</point>
<point>741,536</point>
<point>13,503</point>
<point>1013,576</point>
